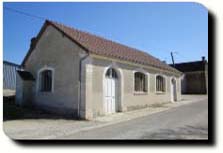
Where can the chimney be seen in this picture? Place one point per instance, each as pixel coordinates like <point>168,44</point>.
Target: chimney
<point>203,58</point>
<point>32,43</point>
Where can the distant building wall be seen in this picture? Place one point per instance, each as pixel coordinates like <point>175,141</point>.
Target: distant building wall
<point>9,75</point>
<point>183,84</point>
<point>195,79</point>
<point>196,83</point>
<point>206,76</point>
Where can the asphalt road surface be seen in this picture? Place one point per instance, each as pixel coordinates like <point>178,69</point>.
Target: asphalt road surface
<point>184,122</point>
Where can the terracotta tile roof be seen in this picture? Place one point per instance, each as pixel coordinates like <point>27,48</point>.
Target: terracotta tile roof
<point>101,46</point>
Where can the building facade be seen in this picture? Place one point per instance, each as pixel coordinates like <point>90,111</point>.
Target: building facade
<point>83,75</point>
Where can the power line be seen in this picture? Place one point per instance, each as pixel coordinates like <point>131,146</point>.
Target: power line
<point>24,13</point>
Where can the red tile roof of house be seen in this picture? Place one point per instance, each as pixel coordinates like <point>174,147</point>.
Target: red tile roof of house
<point>103,47</point>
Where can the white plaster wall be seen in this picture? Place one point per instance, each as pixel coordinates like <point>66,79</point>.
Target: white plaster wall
<point>58,52</point>
<point>128,98</point>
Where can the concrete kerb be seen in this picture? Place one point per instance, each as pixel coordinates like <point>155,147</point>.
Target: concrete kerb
<point>126,116</point>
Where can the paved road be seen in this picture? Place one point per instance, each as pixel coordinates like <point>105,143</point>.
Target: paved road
<point>184,122</point>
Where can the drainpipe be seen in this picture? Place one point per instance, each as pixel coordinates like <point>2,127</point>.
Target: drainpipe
<point>79,85</point>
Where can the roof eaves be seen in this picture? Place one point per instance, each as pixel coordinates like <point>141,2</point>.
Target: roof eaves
<point>173,70</point>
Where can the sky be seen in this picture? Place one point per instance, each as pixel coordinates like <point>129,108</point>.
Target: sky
<point>155,28</point>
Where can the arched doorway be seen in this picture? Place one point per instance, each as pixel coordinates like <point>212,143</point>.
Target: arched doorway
<point>173,90</point>
<point>111,91</point>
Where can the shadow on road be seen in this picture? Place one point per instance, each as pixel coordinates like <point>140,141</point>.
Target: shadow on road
<point>182,133</point>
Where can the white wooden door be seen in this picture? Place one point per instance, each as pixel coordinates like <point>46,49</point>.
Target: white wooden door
<point>113,96</point>
<point>110,94</point>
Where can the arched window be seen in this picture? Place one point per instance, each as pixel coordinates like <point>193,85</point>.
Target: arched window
<point>160,84</point>
<point>140,82</point>
<point>46,80</point>
<point>111,73</point>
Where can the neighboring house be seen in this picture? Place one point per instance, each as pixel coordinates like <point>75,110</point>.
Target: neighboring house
<point>9,75</point>
<point>83,75</point>
<point>195,79</point>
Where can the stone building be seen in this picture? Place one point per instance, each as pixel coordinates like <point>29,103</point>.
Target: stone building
<point>195,78</point>
<point>83,75</point>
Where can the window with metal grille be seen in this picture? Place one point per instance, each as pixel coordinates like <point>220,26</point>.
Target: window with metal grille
<point>160,84</point>
<point>46,81</point>
<point>140,82</point>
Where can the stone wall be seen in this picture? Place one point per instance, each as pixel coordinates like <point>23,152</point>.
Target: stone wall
<point>56,51</point>
<point>195,83</point>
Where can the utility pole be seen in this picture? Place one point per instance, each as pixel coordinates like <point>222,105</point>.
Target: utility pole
<point>172,59</point>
